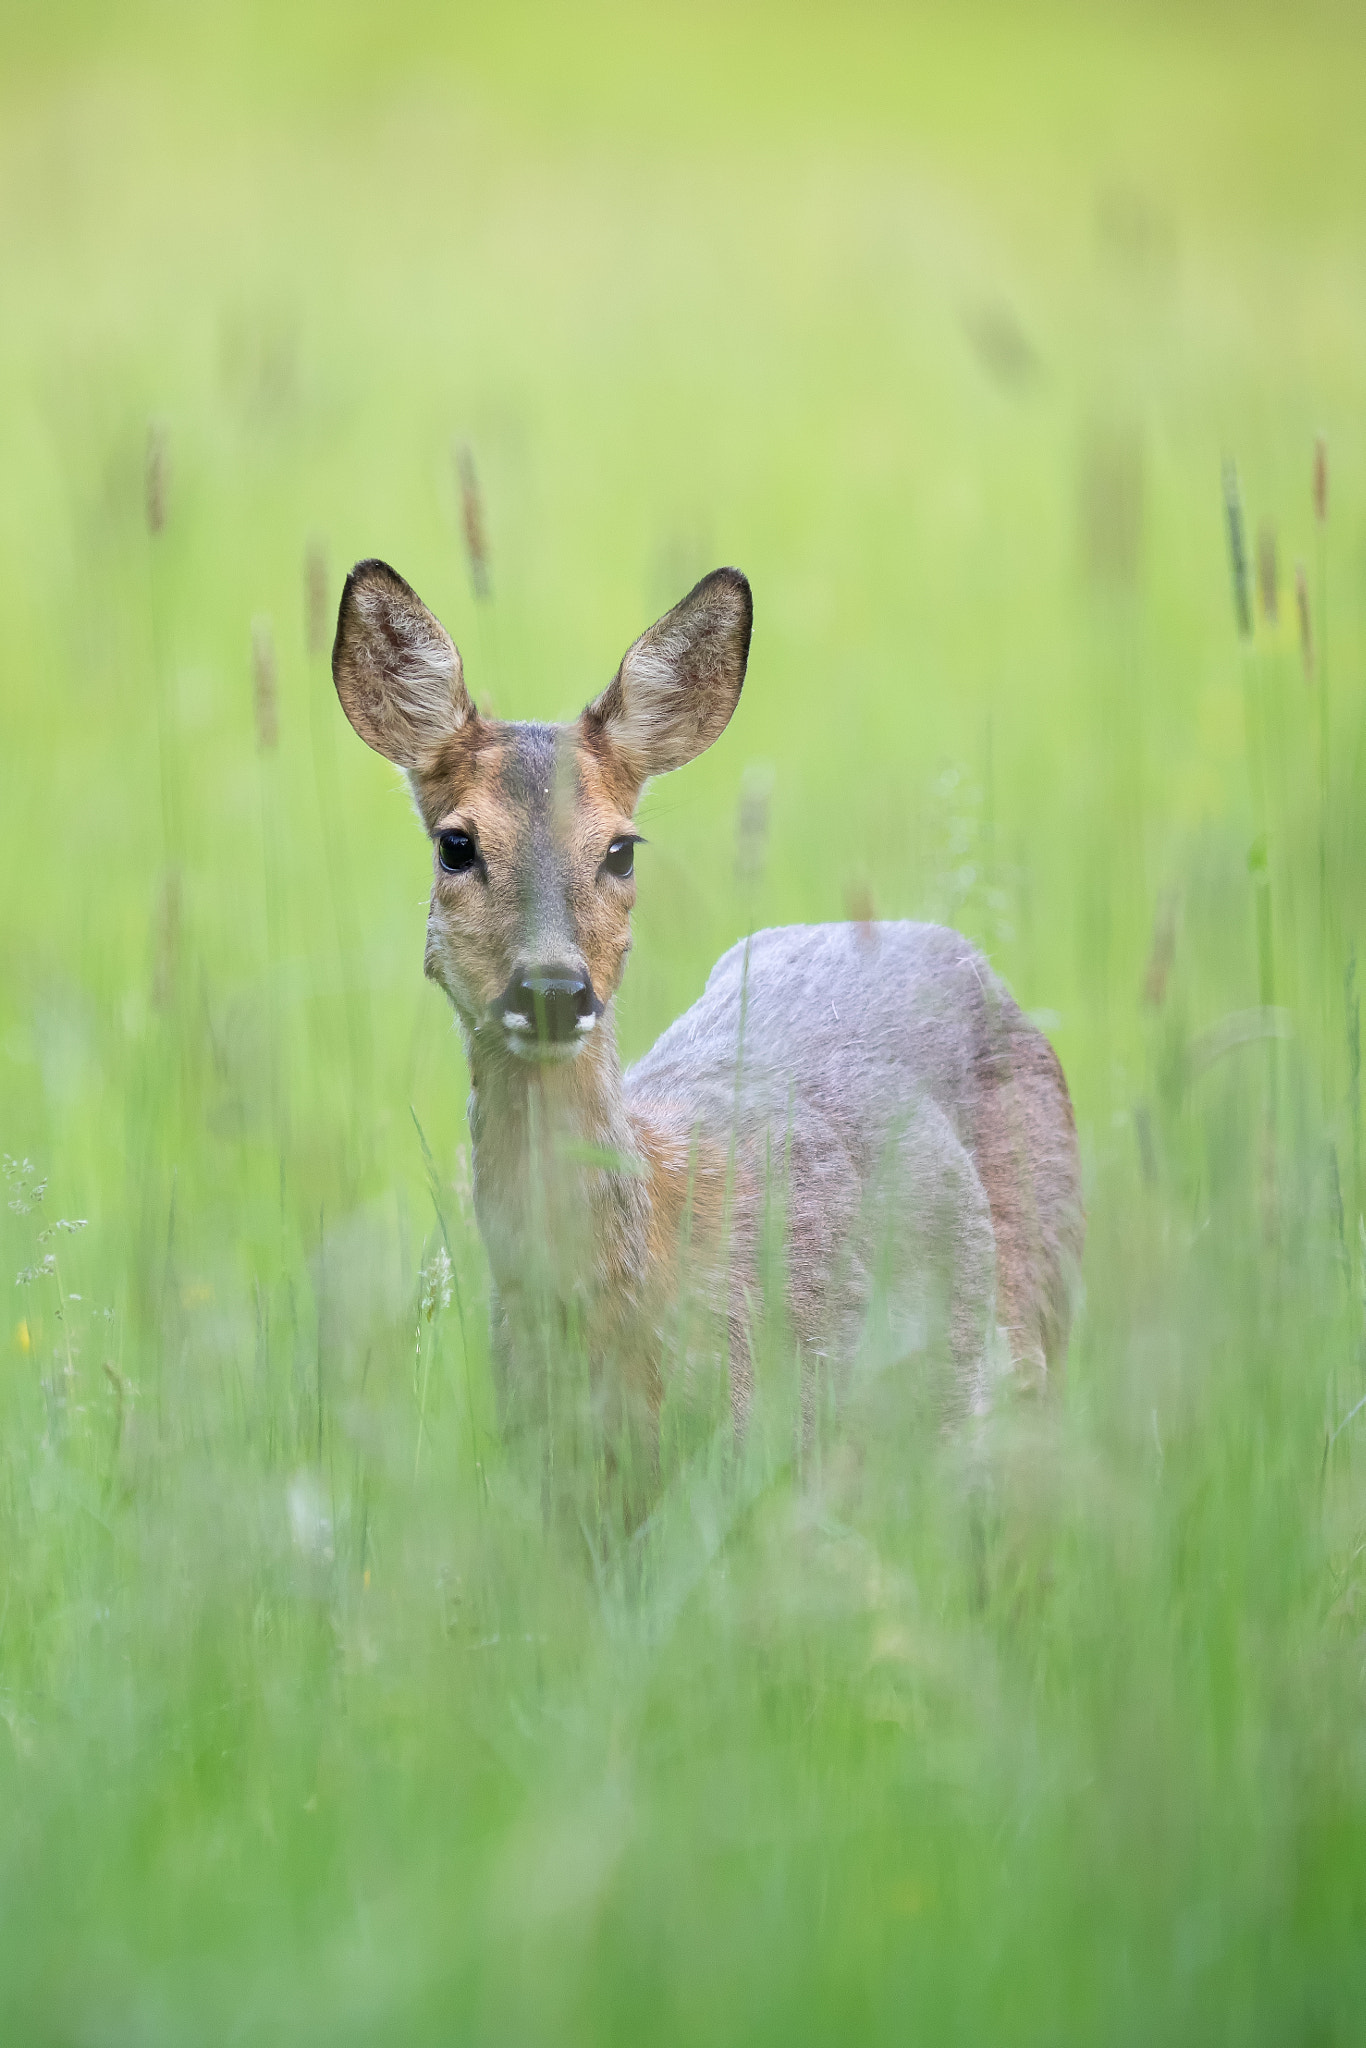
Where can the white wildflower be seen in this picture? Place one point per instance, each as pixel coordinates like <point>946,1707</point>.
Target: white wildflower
<point>436,1283</point>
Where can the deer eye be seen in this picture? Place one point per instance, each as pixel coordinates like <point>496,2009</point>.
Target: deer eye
<point>457,852</point>
<point>621,859</point>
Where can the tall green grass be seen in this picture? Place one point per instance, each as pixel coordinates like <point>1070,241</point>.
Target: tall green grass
<point>941,325</point>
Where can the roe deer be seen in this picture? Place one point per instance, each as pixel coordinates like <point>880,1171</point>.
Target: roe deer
<point>919,1127</point>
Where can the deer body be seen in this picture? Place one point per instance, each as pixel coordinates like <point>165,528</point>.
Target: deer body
<point>869,1097</point>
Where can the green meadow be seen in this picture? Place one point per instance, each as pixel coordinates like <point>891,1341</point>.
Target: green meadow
<point>960,330</point>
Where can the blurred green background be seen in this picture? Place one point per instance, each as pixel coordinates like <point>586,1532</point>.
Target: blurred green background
<point>942,323</point>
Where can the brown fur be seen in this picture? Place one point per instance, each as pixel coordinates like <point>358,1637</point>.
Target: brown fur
<point>1027,1158</point>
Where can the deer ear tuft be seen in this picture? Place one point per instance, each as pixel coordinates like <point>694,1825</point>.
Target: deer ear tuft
<point>678,685</point>
<point>397,670</point>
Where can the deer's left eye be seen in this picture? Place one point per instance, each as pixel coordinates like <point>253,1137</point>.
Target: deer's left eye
<point>621,859</point>
<point>457,852</point>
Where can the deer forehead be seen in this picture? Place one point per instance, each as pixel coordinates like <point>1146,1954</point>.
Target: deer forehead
<point>529,789</point>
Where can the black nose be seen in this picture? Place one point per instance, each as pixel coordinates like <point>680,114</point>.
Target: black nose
<point>549,1002</point>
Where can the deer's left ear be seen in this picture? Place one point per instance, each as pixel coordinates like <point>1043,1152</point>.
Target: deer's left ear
<point>678,685</point>
<point>396,668</point>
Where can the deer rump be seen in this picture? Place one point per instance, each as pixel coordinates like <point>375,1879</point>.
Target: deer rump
<point>872,1098</point>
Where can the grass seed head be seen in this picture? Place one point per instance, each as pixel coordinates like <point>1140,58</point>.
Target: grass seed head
<point>27,1189</point>
<point>265,689</point>
<point>752,821</point>
<point>155,478</point>
<point>1162,954</point>
<point>1321,479</point>
<point>436,1283</point>
<point>1111,503</point>
<point>1237,549</point>
<point>472,514</point>
<point>862,914</point>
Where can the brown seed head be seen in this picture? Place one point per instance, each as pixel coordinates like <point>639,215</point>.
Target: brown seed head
<point>265,691</point>
<point>1111,503</point>
<point>155,478</point>
<point>1267,578</point>
<point>1320,479</point>
<point>858,907</point>
<point>476,547</point>
<point>1162,954</point>
<point>751,821</point>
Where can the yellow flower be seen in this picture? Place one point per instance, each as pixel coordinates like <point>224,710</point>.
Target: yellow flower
<point>22,1338</point>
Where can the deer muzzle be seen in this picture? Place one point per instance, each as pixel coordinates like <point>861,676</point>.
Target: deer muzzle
<point>548,1011</point>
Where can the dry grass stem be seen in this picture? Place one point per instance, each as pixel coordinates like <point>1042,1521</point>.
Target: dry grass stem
<point>1306,618</point>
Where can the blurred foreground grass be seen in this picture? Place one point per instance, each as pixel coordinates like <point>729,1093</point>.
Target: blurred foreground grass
<point>940,324</point>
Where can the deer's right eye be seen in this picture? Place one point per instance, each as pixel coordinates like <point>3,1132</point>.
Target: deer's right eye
<point>457,852</point>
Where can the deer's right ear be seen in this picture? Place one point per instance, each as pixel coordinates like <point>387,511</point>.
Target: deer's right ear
<point>396,668</point>
<point>678,685</point>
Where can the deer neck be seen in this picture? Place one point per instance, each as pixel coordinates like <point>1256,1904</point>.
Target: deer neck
<point>556,1212</point>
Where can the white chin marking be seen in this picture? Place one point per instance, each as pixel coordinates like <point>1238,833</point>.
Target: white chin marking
<point>539,1050</point>
<point>585,1025</point>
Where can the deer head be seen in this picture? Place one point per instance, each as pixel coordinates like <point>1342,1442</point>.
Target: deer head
<point>532,826</point>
